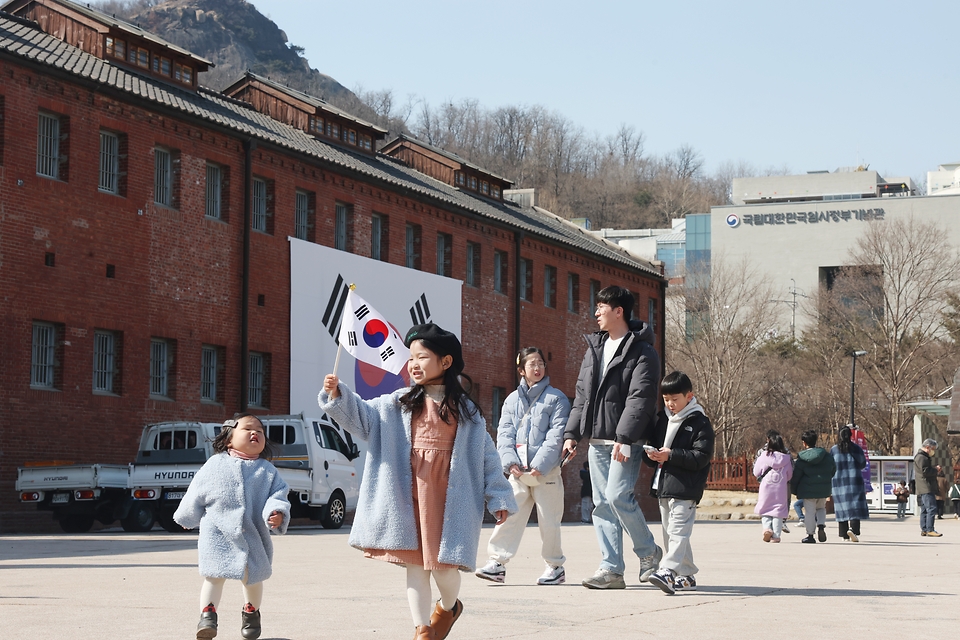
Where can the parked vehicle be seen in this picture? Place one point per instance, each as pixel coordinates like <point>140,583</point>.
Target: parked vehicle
<point>314,457</point>
<point>80,494</point>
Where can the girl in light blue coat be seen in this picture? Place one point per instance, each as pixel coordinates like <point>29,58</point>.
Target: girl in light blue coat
<point>430,467</point>
<point>237,499</point>
<point>529,441</point>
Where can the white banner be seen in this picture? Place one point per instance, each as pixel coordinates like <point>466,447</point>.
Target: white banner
<point>319,281</point>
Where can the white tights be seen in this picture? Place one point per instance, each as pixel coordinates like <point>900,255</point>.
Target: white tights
<point>212,590</point>
<point>420,596</point>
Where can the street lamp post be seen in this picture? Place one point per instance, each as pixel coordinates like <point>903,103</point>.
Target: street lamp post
<point>853,381</point>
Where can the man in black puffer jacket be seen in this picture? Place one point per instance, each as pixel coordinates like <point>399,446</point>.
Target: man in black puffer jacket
<point>615,408</point>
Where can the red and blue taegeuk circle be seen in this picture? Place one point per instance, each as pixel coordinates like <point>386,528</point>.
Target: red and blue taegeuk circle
<point>375,333</point>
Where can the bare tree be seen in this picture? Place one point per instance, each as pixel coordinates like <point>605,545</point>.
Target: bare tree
<point>893,301</point>
<point>716,322</point>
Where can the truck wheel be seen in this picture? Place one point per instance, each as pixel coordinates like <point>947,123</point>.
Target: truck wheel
<point>334,512</point>
<point>76,523</point>
<point>168,523</point>
<point>140,518</point>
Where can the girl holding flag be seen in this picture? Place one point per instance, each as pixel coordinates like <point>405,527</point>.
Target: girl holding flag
<point>430,467</point>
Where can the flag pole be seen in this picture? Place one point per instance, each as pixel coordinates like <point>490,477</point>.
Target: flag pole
<point>336,362</point>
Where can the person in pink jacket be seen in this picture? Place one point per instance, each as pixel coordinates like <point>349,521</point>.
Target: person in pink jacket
<point>773,468</point>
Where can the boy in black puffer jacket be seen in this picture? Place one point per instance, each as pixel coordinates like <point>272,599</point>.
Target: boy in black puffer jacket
<point>680,449</point>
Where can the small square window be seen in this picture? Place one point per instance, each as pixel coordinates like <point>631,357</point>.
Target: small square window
<point>50,259</point>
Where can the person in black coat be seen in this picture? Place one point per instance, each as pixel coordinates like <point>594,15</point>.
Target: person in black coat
<point>680,449</point>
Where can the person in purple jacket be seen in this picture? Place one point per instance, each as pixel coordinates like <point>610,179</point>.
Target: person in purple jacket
<point>774,469</point>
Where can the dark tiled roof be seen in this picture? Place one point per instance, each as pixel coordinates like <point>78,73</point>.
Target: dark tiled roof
<point>311,100</point>
<point>24,41</point>
<point>446,154</point>
<point>123,25</point>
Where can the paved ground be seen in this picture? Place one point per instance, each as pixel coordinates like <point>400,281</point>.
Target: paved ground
<point>117,585</point>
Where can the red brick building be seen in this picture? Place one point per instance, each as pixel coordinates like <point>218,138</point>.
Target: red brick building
<point>144,260</point>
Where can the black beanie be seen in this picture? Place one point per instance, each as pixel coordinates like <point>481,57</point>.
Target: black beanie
<point>445,343</point>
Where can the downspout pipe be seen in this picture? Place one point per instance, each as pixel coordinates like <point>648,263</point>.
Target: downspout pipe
<point>518,241</point>
<point>248,148</point>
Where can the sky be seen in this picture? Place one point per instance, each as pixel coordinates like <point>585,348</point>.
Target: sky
<point>806,86</point>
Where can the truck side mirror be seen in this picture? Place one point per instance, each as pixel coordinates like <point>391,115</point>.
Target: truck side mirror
<point>354,451</point>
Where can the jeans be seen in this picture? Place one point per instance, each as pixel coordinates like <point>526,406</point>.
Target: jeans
<point>928,511</point>
<point>901,509</point>
<point>798,507</point>
<point>616,508</point>
<point>772,524</point>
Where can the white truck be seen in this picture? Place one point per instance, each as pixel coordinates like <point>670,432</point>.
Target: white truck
<point>79,494</point>
<point>314,456</point>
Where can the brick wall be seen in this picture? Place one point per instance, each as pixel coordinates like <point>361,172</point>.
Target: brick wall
<point>177,276</point>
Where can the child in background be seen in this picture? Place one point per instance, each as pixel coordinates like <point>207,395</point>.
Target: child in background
<point>902,491</point>
<point>430,467</point>
<point>680,449</point>
<point>774,468</point>
<point>235,526</point>
<point>529,440</point>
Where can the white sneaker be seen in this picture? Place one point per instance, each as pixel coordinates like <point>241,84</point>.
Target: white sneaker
<point>553,575</point>
<point>604,579</point>
<point>664,579</point>
<point>650,563</point>
<point>493,571</point>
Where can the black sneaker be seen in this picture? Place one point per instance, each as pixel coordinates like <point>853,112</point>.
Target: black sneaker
<point>822,533</point>
<point>809,540</point>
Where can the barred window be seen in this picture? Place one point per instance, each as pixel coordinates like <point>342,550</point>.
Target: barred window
<point>208,374</point>
<point>259,212</point>
<point>341,238</point>
<point>473,264</point>
<point>573,293</point>
<point>159,362</point>
<point>162,177</point>
<point>526,280</point>
<point>104,360</point>
<point>42,361</point>
<point>257,380</point>
<point>301,223</point>
<point>550,287</point>
<point>500,271</point>
<point>444,254</point>
<point>48,145</point>
<point>412,250</point>
<point>213,191</point>
<point>109,162</point>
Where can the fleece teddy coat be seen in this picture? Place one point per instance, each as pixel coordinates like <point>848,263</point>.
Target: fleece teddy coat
<point>230,500</point>
<point>384,518</point>
<point>774,496</point>
<point>541,430</point>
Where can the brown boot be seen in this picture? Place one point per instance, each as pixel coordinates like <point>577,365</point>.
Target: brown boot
<point>442,620</point>
<point>424,632</point>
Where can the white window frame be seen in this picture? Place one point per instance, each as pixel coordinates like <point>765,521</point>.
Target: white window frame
<point>104,361</point>
<point>162,177</point>
<point>214,191</point>
<point>109,181</point>
<point>48,145</point>
<point>258,208</point>
<point>208,373</point>
<point>43,355</point>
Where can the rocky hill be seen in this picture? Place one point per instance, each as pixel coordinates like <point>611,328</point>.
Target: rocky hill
<point>235,37</point>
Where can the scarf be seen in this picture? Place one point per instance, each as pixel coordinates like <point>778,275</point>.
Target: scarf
<point>674,420</point>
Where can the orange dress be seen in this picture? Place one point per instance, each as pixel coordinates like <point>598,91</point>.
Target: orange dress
<point>432,441</point>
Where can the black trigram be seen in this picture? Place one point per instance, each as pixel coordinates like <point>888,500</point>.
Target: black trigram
<point>333,314</point>
<point>386,353</point>
<point>420,311</point>
<point>362,312</point>
<point>352,338</point>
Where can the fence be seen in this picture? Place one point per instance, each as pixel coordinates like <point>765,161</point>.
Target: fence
<point>732,474</point>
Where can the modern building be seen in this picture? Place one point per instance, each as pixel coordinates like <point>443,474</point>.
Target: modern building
<point>146,230</point>
<point>798,230</point>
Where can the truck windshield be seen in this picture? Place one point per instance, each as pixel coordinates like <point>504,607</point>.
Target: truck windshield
<point>175,439</point>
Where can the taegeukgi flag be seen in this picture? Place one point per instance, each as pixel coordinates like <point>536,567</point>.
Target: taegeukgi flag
<point>368,337</point>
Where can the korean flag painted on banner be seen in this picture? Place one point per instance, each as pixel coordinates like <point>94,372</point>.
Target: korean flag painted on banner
<point>368,337</point>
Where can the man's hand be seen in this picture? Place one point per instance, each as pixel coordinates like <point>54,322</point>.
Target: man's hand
<point>569,445</point>
<point>619,457</point>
